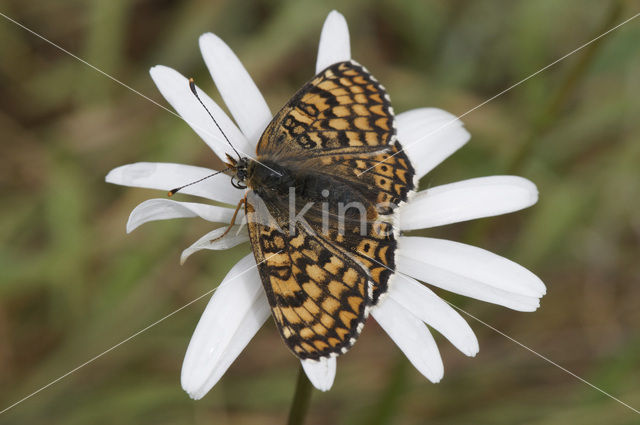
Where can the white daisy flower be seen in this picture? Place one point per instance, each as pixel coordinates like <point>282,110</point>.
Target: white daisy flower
<point>239,307</point>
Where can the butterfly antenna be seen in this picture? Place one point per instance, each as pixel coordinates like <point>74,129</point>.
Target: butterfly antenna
<point>192,86</point>
<point>177,189</point>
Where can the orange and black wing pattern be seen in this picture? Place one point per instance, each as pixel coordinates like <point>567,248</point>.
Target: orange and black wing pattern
<point>342,110</point>
<point>336,133</point>
<point>319,295</point>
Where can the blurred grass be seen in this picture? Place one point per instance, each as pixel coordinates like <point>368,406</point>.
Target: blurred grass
<point>73,283</point>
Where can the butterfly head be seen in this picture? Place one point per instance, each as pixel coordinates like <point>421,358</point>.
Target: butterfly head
<point>239,167</point>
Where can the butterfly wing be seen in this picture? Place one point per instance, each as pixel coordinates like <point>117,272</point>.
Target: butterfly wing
<point>370,236</point>
<point>319,295</point>
<point>342,110</point>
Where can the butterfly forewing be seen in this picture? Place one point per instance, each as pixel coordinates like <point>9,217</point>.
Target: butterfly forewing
<point>342,110</point>
<point>337,133</point>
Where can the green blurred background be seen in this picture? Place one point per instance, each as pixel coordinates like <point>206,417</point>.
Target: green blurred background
<point>73,284</point>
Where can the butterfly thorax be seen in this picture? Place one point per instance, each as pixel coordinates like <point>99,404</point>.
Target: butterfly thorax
<point>271,179</point>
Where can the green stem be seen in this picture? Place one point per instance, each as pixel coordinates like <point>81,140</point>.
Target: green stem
<point>301,399</point>
<point>384,410</point>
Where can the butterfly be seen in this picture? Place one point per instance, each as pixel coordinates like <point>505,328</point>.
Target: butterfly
<point>331,153</point>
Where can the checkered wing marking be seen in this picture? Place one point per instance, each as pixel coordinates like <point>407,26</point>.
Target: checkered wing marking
<point>318,294</point>
<point>386,178</point>
<point>383,188</point>
<point>341,110</point>
<point>332,134</point>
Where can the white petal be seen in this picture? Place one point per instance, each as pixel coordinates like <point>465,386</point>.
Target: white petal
<point>236,311</point>
<point>432,310</point>
<point>467,200</point>
<point>175,88</point>
<point>429,136</point>
<point>166,176</point>
<point>238,90</point>
<point>321,372</point>
<point>411,336</point>
<point>164,209</point>
<point>469,271</point>
<point>235,237</point>
<point>334,42</point>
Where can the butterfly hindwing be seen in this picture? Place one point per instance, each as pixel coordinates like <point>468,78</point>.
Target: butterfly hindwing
<point>319,296</point>
<point>386,177</point>
<point>383,187</point>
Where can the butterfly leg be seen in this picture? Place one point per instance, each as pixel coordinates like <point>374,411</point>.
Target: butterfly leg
<point>233,219</point>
